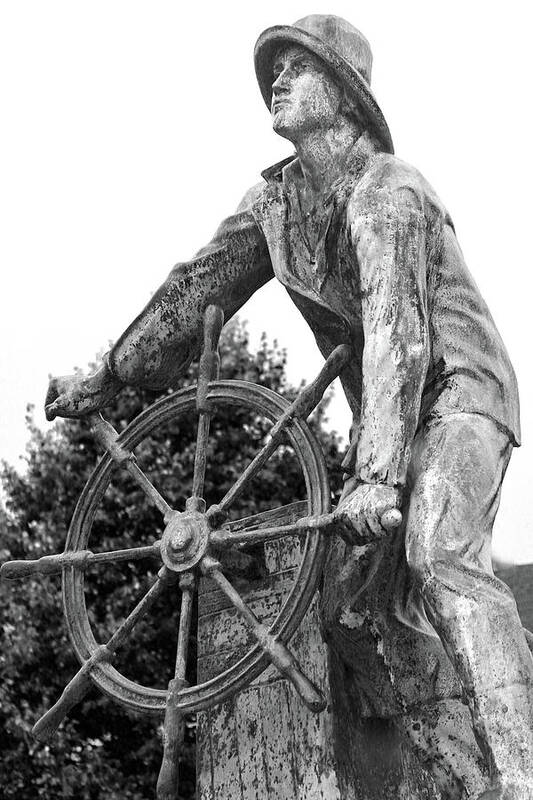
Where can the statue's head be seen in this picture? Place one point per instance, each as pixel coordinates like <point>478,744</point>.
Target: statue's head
<point>314,70</point>
<point>304,94</point>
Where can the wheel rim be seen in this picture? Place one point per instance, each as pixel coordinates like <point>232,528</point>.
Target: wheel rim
<point>311,461</point>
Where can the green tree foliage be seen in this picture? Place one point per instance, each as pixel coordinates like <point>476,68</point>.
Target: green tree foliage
<point>103,752</point>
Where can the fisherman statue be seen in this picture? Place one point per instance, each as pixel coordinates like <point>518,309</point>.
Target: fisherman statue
<point>419,630</point>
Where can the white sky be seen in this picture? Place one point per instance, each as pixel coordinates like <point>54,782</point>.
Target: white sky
<point>131,128</point>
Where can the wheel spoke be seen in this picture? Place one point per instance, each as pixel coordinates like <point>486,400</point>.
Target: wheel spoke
<point>173,734</point>
<point>80,684</point>
<point>129,554</point>
<point>200,457</point>
<point>187,586</point>
<point>312,394</point>
<point>323,523</point>
<point>300,408</point>
<point>212,568</point>
<point>290,512</point>
<point>148,488</point>
<point>255,466</point>
<point>228,538</point>
<point>208,370</point>
<point>80,559</point>
<point>174,728</point>
<point>107,437</point>
<point>165,578</point>
<point>276,651</point>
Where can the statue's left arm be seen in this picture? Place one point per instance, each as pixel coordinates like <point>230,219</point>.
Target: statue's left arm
<point>391,251</point>
<point>388,233</point>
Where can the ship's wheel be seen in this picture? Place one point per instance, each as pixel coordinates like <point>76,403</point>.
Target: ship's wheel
<point>192,545</point>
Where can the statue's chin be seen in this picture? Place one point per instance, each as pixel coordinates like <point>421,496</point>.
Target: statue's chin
<point>295,127</point>
<point>283,129</point>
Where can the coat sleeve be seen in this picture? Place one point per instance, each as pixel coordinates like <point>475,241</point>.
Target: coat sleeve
<point>165,337</point>
<point>390,241</point>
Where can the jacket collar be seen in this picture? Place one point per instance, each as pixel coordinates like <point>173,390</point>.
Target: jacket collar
<point>274,174</point>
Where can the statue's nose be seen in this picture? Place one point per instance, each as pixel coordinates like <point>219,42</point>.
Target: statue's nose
<point>280,84</point>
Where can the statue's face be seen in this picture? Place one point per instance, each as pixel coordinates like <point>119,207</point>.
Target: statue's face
<point>305,98</point>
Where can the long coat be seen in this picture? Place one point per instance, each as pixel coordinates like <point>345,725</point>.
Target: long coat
<point>387,276</point>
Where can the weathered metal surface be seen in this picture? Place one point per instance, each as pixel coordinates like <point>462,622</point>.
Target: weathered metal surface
<point>208,370</point>
<point>369,255</point>
<point>174,725</point>
<point>107,678</point>
<point>107,437</point>
<point>271,747</point>
<point>263,744</point>
<point>53,565</point>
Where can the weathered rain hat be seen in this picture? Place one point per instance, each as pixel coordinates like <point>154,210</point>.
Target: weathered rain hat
<point>341,46</point>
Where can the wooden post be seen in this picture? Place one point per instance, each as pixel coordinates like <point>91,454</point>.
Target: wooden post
<point>265,744</point>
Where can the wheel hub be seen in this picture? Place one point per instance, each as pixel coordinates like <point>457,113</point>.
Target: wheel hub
<point>184,540</point>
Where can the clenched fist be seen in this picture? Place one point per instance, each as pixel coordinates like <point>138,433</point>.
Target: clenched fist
<point>77,395</point>
<point>368,513</point>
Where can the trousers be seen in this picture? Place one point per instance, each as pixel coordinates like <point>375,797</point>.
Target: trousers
<point>422,633</point>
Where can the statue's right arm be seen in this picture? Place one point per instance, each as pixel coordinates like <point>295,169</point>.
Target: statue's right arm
<point>161,342</point>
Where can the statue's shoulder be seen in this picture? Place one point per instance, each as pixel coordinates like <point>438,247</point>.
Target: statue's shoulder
<point>252,196</point>
<point>389,177</point>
